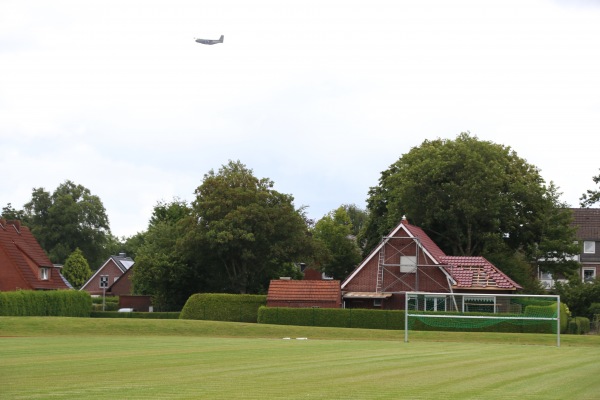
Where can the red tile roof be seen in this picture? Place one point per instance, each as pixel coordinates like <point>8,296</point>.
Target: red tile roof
<point>26,257</point>
<point>310,290</point>
<point>425,240</point>
<point>476,272</point>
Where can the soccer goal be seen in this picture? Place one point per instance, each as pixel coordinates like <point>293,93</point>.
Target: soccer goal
<point>477,311</point>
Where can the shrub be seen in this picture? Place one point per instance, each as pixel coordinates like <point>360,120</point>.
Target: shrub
<point>64,303</point>
<point>223,307</point>
<point>579,325</point>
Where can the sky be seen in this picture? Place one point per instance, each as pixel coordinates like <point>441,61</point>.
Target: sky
<point>318,96</point>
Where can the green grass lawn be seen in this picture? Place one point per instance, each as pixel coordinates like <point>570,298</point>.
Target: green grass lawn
<point>77,358</point>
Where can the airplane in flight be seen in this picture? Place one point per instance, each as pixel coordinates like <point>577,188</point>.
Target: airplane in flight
<point>210,41</point>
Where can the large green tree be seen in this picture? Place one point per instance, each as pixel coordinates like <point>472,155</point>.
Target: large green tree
<point>76,269</point>
<point>474,197</point>
<point>69,218</point>
<point>247,230</point>
<point>334,231</point>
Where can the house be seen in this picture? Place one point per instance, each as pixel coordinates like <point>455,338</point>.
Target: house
<point>304,293</point>
<point>23,263</point>
<point>108,274</point>
<point>587,223</point>
<point>408,260</point>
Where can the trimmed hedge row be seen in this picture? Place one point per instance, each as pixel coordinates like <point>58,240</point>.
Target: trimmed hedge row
<point>332,317</point>
<point>57,303</point>
<point>223,307</point>
<point>142,315</point>
<point>394,319</point>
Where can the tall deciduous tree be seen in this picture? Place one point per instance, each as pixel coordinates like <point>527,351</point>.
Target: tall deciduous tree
<point>76,269</point>
<point>247,229</point>
<point>591,197</point>
<point>162,268</point>
<point>334,231</point>
<point>473,197</point>
<point>67,219</point>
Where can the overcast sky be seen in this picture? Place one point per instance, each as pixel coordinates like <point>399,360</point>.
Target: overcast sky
<point>319,96</point>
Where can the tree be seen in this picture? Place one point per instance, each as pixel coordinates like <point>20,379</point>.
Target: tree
<point>591,196</point>
<point>335,232</point>
<point>358,218</point>
<point>76,269</point>
<point>248,230</point>
<point>162,269</point>
<point>9,213</point>
<point>67,219</point>
<point>473,198</point>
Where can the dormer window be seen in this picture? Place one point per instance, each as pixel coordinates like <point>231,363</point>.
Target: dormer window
<point>44,274</point>
<point>589,247</point>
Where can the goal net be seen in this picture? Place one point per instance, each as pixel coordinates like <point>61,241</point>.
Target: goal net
<point>482,312</point>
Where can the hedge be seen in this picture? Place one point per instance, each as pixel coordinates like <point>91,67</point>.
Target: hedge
<point>63,303</point>
<point>332,317</point>
<point>394,319</point>
<point>223,307</point>
<point>142,315</point>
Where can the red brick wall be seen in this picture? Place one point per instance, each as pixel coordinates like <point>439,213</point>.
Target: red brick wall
<point>138,303</point>
<point>110,269</point>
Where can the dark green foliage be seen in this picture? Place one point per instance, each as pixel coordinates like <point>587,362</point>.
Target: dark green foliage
<point>332,317</point>
<point>223,307</point>
<point>107,300</point>
<point>76,269</point>
<point>245,230</point>
<point>475,198</point>
<point>140,315</point>
<point>334,232</point>
<point>67,219</point>
<point>63,303</point>
<point>579,326</point>
<point>591,196</point>
<point>579,296</point>
<point>594,309</point>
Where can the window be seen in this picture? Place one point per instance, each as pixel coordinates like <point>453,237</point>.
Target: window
<point>44,274</point>
<point>589,274</point>
<point>408,264</point>
<point>479,304</point>
<point>435,303</point>
<point>589,247</point>
<point>376,302</point>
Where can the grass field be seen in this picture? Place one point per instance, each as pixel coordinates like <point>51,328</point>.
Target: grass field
<point>76,358</point>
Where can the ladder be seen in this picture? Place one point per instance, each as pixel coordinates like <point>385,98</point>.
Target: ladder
<point>380,271</point>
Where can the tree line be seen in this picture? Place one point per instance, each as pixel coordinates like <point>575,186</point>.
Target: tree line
<point>472,197</point>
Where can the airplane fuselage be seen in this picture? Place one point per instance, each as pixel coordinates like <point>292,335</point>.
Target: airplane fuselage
<point>211,41</point>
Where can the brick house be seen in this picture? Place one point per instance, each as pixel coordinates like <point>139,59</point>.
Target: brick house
<point>108,274</point>
<point>587,222</point>
<point>23,263</point>
<point>408,260</point>
<point>304,293</point>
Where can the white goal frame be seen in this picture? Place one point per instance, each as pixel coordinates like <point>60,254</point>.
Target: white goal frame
<point>418,313</point>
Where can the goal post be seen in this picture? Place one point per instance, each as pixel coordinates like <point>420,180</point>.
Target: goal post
<point>476,311</point>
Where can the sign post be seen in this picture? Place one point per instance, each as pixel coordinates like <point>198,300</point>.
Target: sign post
<point>103,285</point>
